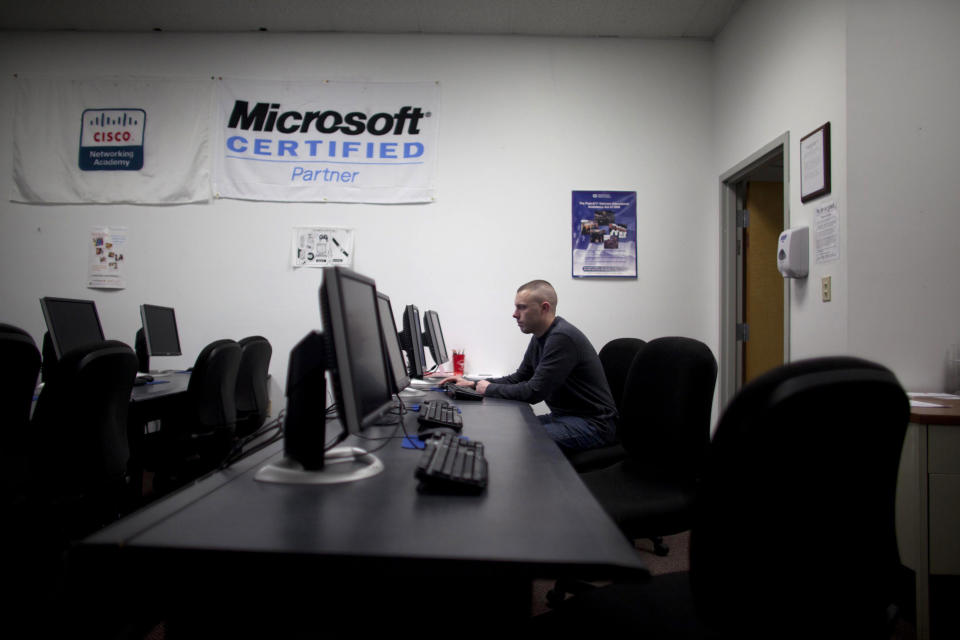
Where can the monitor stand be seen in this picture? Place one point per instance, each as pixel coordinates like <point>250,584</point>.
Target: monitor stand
<point>343,464</point>
<point>411,393</point>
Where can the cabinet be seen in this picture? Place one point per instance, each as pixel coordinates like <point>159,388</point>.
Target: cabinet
<point>928,500</point>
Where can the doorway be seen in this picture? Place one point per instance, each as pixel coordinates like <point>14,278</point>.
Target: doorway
<point>754,297</point>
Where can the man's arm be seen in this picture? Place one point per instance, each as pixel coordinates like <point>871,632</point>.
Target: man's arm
<point>524,372</point>
<point>557,361</point>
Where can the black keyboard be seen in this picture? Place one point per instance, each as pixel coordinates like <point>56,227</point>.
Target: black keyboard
<point>451,464</point>
<point>439,413</point>
<point>458,392</point>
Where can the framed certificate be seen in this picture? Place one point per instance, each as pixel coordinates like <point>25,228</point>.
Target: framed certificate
<point>815,164</point>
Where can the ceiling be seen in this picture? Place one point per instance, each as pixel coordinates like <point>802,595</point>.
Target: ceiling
<point>698,19</point>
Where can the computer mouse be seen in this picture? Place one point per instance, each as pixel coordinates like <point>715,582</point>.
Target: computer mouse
<point>147,378</point>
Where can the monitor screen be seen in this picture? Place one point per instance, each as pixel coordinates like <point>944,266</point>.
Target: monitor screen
<point>351,322</point>
<point>400,377</point>
<point>433,338</point>
<point>160,330</point>
<point>71,323</point>
<point>411,339</point>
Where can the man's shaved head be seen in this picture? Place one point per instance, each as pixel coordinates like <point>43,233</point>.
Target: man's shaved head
<point>540,291</point>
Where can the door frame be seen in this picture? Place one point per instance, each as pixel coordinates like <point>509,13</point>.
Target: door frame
<point>731,294</point>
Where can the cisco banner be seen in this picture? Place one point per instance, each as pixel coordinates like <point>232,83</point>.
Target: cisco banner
<point>327,141</point>
<point>137,140</point>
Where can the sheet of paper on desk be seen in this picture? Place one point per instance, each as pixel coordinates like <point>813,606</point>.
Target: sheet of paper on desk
<point>921,403</point>
<point>929,394</point>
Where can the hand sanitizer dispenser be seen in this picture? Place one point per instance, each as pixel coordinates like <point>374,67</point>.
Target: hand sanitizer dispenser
<point>793,251</point>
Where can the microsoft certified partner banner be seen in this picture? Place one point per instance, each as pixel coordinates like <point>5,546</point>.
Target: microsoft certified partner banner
<point>111,139</point>
<point>327,141</point>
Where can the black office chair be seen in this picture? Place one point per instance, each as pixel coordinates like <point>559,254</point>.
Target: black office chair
<point>616,357</point>
<point>78,445</point>
<point>199,433</point>
<point>18,380</point>
<point>665,429</point>
<point>252,394</point>
<point>809,447</point>
<point>48,356</point>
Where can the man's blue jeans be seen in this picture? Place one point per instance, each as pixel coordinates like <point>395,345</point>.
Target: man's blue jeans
<point>573,433</point>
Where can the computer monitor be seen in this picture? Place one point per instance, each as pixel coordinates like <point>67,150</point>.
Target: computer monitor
<point>433,338</point>
<point>70,323</point>
<point>401,379</point>
<point>411,340</point>
<point>158,336</point>
<point>351,349</point>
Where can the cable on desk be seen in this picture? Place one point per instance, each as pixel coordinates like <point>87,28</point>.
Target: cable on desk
<point>238,450</point>
<point>399,412</point>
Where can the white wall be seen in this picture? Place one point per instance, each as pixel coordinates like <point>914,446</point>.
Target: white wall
<point>904,155</point>
<point>523,122</point>
<point>885,75</point>
<point>780,67</point>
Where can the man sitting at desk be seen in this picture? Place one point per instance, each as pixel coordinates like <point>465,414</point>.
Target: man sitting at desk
<point>560,367</point>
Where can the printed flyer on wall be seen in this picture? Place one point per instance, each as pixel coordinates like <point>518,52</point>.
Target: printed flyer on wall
<point>604,234</point>
<point>105,268</point>
<point>322,247</point>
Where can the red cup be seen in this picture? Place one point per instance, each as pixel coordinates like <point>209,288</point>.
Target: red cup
<point>458,363</point>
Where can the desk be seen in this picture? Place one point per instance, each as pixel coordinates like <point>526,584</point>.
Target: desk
<point>928,500</point>
<point>148,402</point>
<point>400,551</point>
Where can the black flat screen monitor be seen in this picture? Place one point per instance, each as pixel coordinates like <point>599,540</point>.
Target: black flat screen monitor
<point>160,330</point>
<point>351,320</point>
<point>71,323</point>
<point>411,339</point>
<point>401,379</point>
<point>433,338</point>
<point>351,349</point>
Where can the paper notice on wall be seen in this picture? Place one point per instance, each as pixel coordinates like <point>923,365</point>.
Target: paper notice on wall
<point>322,247</point>
<point>105,265</point>
<point>826,224</point>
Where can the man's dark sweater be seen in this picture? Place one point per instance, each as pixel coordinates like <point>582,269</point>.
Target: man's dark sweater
<point>562,368</point>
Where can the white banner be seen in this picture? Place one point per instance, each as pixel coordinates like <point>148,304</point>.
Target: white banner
<point>327,141</point>
<point>135,140</point>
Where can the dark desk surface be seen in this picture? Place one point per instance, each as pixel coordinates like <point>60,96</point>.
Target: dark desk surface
<point>535,519</point>
<point>162,385</point>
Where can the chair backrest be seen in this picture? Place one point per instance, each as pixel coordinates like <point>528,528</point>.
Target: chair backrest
<point>212,388</point>
<point>802,475</point>
<point>616,357</point>
<point>667,402</point>
<point>79,426</point>
<point>9,328</point>
<point>251,393</point>
<point>20,360</point>
<point>19,366</point>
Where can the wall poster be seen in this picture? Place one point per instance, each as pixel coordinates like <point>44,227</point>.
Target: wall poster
<point>604,234</point>
<point>318,247</point>
<point>105,268</point>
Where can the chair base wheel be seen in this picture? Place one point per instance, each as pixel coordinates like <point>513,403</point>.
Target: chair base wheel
<point>659,548</point>
<point>555,597</point>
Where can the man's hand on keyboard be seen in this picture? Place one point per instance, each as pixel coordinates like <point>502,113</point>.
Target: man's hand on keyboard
<point>460,381</point>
